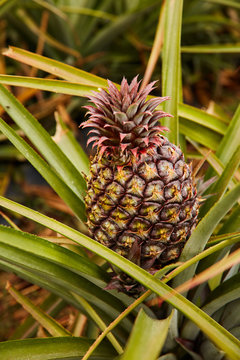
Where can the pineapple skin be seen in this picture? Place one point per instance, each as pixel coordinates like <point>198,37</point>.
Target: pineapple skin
<point>144,209</point>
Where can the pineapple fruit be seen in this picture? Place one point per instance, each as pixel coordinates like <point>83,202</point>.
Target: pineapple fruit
<point>141,200</point>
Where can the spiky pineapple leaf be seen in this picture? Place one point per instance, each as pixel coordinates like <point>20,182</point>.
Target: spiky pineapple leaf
<point>45,249</point>
<point>48,323</point>
<point>52,348</point>
<point>102,326</point>
<point>54,67</point>
<point>204,230</point>
<point>211,49</point>
<point>221,185</point>
<point>59,275</point>
<point>52,305</point>
<point>222,295</point>
<point>56,86</point>
<point>147,338</point>
<point>230,141</point>
<point>201,117</point>
<point>61,188</point>
<point>69,145</point>
<point>42,140</point>
<point>171,65</point>
<point>200,134</point>
<point>196,124</point>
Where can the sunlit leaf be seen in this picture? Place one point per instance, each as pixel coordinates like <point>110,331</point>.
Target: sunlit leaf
<point>147,338</point>
<point>51,325</point>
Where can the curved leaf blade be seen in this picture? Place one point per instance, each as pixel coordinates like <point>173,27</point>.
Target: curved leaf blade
<point>204,230</point>
<point>220,186</point>
<point>56,86</point>
<point>45,170</point>
<point>43,141</point>
<point>52,348</point>
<point>147,338</point>
<point>52,252</point>
<point>171,68</point>
<point>54,67</point>
<point>51,325</point>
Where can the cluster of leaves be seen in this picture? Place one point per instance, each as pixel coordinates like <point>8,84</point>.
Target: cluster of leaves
<point>200,323</point>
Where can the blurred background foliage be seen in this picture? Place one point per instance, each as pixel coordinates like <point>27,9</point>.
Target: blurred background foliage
<point>111,39</point>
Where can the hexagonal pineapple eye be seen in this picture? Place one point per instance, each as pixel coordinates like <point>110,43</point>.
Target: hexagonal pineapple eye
<point>148,171</point>
<point>154,191</point>
<point>136,186</point>
<point>127,239</point>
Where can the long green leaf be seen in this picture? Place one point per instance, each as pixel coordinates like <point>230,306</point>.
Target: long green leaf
<point>61,276</point>
<point>59,290</point>
<point>230,3</point>
<point>223,294</point>
<point>171,68</point>
<point>212,271</point>
<point>147,338</point>
<point>213,160</point>
<point>45,170</point>
<point>52,348</point>
<point>57,86</point>
<point>51,325</point>
<point>212,49</point>
<point>38,279</point>
<point>226,240</point>
<point>222,338</point>
<point>54,67</point>
<point>87,11</point>
<point>94,315</point>
<point>127,311</point>
<point>53,252</point>
<point>65,139</point>
<point>52,305</point>
<point>220,186</point>
<point>232,223</point>
<point>200,134</point>
<point>42,140</point>
<point>202,118</point>
<point>230,141</point>
<point>204,230</point>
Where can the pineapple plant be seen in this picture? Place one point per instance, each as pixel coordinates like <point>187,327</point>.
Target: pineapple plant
<point>204,323</point>
<point>141,199</point>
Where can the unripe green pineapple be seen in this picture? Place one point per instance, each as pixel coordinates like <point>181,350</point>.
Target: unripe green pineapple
<point>141,201</point>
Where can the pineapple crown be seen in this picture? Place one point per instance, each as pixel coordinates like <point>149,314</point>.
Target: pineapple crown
<point>123,119</point>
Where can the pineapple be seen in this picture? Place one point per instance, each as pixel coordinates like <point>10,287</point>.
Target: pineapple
<point>141,201</point>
